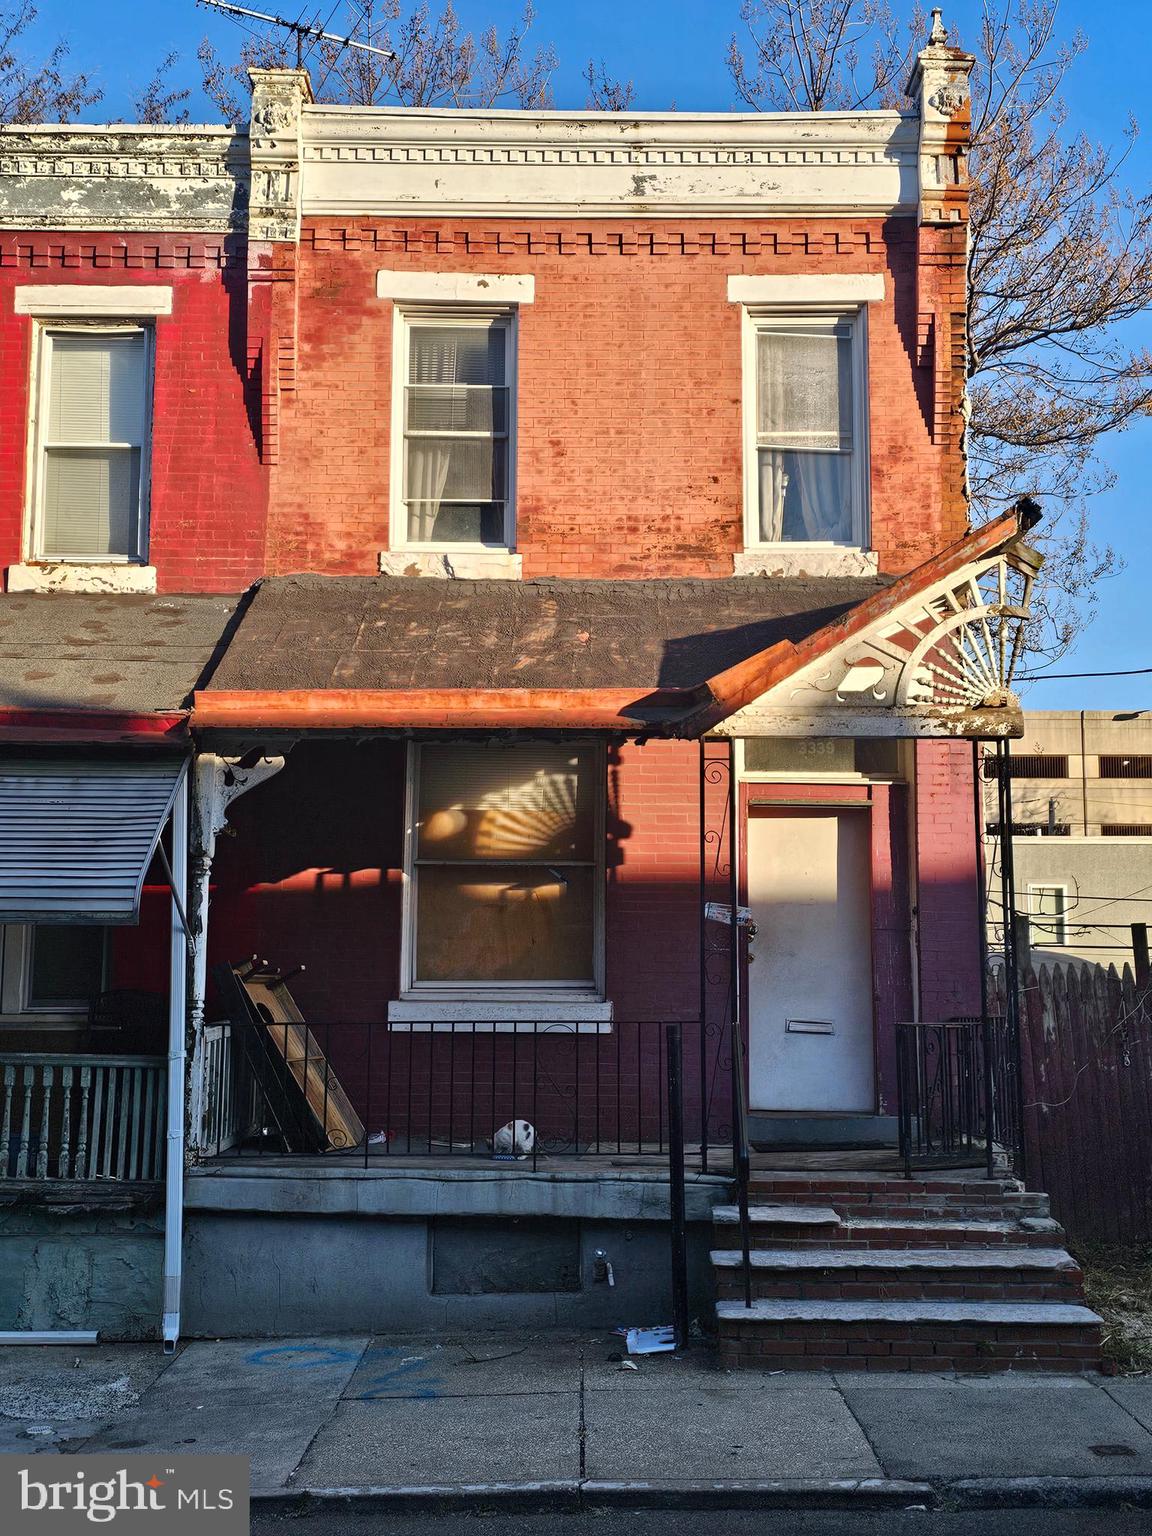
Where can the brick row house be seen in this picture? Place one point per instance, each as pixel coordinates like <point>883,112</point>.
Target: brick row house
<point>481,588</point>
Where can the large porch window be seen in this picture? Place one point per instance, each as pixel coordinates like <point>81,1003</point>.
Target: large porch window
<point>505,864</point>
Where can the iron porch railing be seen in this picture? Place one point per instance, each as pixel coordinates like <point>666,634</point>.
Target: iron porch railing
<point>363,1091</point>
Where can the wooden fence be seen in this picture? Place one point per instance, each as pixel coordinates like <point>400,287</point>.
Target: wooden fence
<point>1086,1074</point>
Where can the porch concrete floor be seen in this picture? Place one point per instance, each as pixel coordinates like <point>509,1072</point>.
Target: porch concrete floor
<point>862,1163</point>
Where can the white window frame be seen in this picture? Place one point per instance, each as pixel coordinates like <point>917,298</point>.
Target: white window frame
<point>1056,921</point>
<point>559,992</point>
<point>38,395</point>
<point>16,1006</point>
<point>404,316</point>
<point>757,318</point>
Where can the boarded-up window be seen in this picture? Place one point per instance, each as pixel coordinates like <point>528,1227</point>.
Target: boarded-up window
<point>506,864</point>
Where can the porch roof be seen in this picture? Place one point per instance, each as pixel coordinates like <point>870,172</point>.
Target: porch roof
<point>85,666</point>
<point>394,633</point>
<point>671,657</point>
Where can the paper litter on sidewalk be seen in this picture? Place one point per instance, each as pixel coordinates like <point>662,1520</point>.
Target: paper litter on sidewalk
<point>650,1341</point>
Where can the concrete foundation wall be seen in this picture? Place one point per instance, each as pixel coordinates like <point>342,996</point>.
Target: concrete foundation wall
<point>67,1267</point>
<point>258,1275</point>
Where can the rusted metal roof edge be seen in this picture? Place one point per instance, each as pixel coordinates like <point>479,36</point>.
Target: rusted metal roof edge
<point>47,727</point>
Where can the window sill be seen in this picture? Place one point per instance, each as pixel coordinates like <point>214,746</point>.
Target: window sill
<point>463,564</point>
<point>579,1017</point>
<point>61,576</point>
<point>802,560</point>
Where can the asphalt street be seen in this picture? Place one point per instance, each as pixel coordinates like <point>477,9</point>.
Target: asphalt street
<point>911,1522</point>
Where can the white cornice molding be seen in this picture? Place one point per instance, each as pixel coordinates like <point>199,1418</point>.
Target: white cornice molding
<point>377,161</point>
<point>123,177</point>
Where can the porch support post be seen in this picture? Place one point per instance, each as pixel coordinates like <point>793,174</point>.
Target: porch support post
<point>1011,966</point>
<point>218,781</point>
<point>703,941</point>
<point>177,997</point>
<point>982,945</point>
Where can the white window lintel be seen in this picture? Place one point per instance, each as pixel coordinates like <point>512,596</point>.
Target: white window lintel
<point>92,301</point>
<point>806,289</point>
<point>456,287</point>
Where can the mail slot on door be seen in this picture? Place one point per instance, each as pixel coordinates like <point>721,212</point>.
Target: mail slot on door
<point>809,1027</point>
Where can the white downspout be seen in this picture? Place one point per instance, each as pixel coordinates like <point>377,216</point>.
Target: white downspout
<point>217,782</point>
<point>178,991</point>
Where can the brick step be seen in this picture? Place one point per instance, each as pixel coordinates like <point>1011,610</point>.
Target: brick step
<point>819,1218</point>
<point>898,1274</point>
<point>783,1335</point>
<point>810,1186</point>
<point>923,1207</point>
<point>886,1232</point>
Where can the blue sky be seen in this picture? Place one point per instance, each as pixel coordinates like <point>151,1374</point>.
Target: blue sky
<point>674,52</point>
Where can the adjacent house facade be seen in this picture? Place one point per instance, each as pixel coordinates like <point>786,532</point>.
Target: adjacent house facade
<point>602,645</point>
<point>1081,834</point>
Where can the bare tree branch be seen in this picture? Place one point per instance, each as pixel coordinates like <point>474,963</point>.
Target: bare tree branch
<point>155,104</point>
<point>605,93</point>
<point>1060,255</point>
<point>435,62</point>
<point>41,91</point>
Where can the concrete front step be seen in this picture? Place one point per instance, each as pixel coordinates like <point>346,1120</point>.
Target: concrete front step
<point>888,1232</point>
<point>849,1205</point>
<point>916,1335</point>
<point>821,1216</point>
<point>936,1274</point>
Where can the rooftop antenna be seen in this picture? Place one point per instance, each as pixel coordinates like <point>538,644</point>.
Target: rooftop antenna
<point>299,29</point>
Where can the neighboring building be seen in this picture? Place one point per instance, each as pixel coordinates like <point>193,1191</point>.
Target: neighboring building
<point>1082,833</point>
<point>603,477</point>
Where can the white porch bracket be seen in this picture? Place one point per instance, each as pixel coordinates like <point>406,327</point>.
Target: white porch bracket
<point>217,782</point>
<point>939,664</point>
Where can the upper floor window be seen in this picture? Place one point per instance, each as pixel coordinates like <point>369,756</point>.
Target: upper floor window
<point>455,437</point>
<point>91,439</point>
<point>805,450</point>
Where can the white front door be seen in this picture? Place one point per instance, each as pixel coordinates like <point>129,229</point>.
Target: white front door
<point>810,981</point>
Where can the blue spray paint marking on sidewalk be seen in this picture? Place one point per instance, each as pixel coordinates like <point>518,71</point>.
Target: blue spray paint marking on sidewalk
<point>408,1375</point>
<point>307,1356</point>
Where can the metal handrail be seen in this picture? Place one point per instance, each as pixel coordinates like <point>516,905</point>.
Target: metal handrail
<point>741,1156</point>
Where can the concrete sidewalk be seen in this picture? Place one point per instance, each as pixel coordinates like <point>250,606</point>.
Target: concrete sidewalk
<point>558,1420</point>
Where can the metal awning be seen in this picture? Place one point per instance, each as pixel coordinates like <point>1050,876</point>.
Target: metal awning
<point>77,836</point>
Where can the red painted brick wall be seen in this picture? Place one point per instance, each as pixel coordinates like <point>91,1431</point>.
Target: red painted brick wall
<point>948,886</point>
<point>629,439</point>
<point>208,499</point>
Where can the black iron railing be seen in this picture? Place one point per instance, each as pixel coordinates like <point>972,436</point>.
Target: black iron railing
<point>958,1092</point>
<point>364,1092</point>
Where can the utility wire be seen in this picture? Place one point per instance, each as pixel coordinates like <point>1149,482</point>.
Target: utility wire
<point>1043,677</point>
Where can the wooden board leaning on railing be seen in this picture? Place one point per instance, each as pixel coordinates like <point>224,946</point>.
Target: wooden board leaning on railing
<point>257,998</point>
